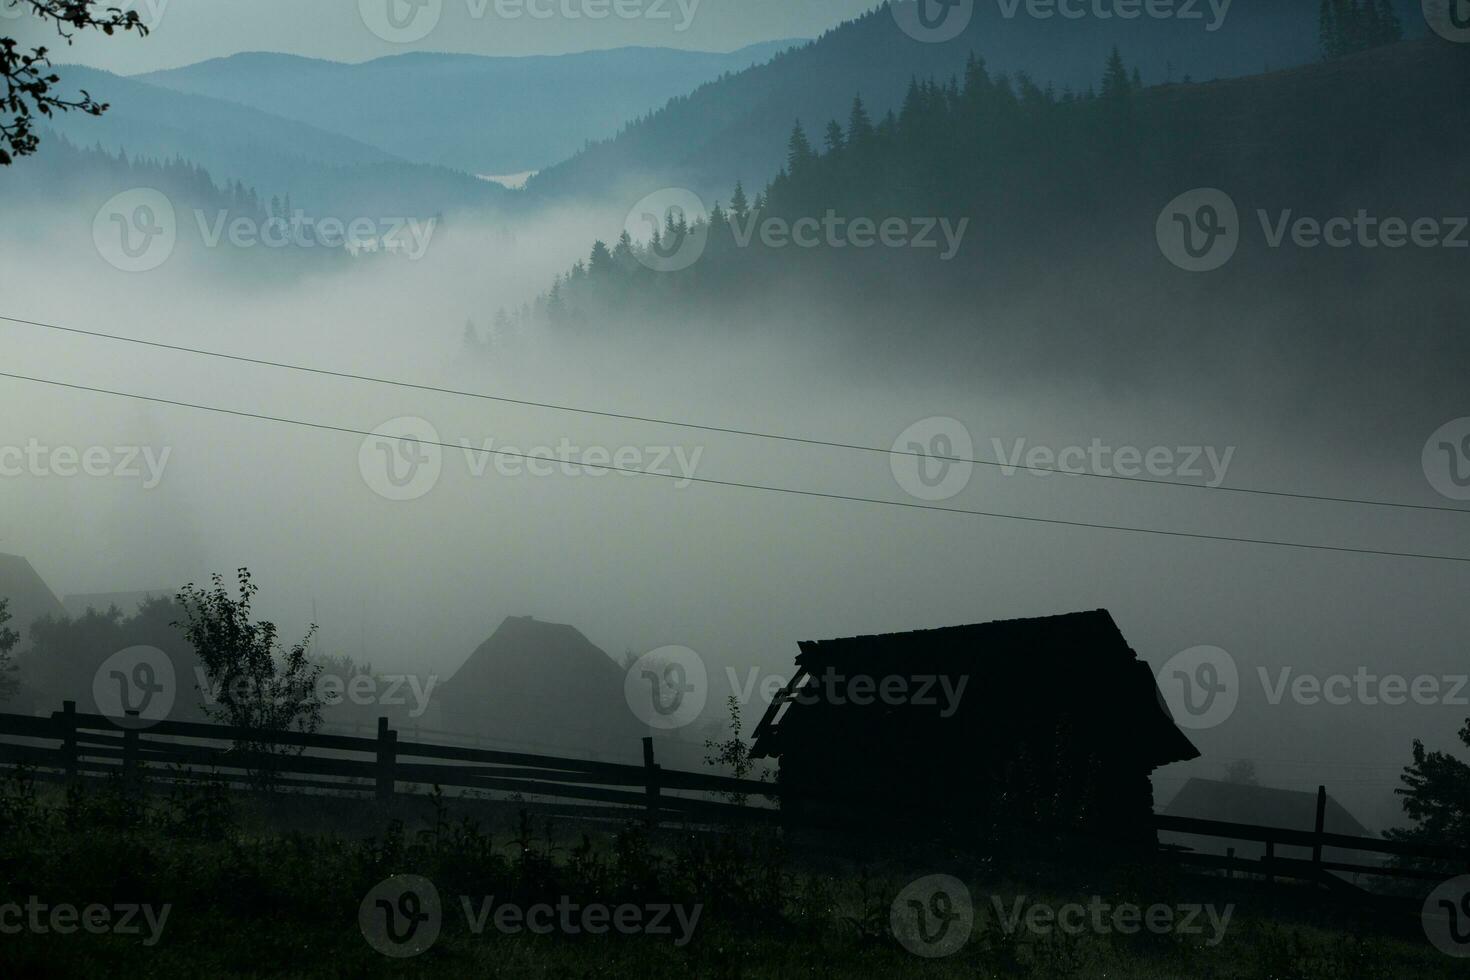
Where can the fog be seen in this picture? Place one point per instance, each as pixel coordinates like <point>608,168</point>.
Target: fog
<point>638,562</point>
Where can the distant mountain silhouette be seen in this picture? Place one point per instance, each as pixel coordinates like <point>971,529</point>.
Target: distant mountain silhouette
<point>323,171</point>
<point>735,128</point>
<point>477,114</point>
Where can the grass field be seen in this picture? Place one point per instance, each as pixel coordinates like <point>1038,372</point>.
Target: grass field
<point>240,885</point>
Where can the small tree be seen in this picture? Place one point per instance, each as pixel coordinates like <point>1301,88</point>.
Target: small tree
<point>732,754</point>
<point>255,684</point>
<point>8,639</point>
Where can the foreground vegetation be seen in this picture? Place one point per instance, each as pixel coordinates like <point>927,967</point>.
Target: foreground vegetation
<point>252,892</point>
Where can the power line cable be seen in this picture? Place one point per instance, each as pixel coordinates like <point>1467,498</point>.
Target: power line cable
<point>1269,542</point>
<point>731,430</point>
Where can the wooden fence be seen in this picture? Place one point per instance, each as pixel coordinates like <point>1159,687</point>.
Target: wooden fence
<point>69,744</point>
<point>135,751</point>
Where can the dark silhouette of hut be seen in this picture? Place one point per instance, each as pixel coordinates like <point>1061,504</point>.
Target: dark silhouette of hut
<point>990,729</point>
<point>1262,806</point>
<point>542,686</point>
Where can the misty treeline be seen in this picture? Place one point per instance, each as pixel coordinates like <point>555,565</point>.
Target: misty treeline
<point>72,170</point>
<point>918,162</point>
<point>1058,194</point>
<point>230,667</point>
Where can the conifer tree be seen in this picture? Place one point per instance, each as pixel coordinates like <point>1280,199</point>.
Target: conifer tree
<point>834,139</point>
<point>799,151</point>
<point>739,207</point>
<point>859,126</point>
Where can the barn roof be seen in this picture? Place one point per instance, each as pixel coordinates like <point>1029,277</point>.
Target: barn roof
<point>1217,799</point>
<point>1073,668</point>
<point>29,597</point>
<point>541,682</point>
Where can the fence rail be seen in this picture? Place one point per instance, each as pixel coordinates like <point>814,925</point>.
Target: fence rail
<point>139,751</point>
<point>96,745</point>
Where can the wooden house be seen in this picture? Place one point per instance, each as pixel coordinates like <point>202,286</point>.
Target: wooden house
<point>995,728</point>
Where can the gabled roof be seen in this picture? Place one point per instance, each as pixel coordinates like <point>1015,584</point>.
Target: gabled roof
<point>1071,668</point>
<point>541,682</point>
<point>1217,799</point>
<point>28,595</point>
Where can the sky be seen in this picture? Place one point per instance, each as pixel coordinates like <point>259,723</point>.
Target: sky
<point>187,31</point>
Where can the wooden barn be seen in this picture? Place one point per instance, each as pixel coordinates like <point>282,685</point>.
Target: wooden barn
<point>991,728</point>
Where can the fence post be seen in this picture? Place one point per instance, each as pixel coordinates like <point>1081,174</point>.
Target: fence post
<point>651,768</point>
<point>387,752</point>
<point>130,752</point>
<point>1317,830</point>
<point>68,722</point>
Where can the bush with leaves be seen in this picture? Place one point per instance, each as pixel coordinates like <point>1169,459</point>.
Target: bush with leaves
<point>254,684</point>
<point>1436,797</point>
